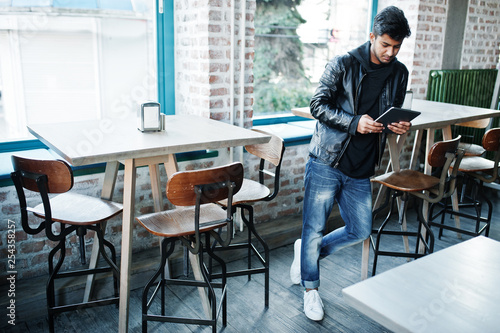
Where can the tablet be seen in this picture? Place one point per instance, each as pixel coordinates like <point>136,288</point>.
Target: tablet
<point>394,115</point>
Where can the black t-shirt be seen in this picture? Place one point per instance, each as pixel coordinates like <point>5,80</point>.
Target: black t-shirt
<point>360,157</point>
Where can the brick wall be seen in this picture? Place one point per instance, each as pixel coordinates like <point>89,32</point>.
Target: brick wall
<point>203,59</point>
<point>482,35</point>
<point>428,51</point>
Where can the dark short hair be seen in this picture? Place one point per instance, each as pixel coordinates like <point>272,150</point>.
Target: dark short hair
<point>392,21</point>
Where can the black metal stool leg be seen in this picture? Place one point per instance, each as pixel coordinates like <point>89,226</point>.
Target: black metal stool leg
<point>473,201</point>
<point>111,261</point>
<point>379,231</point>
<point>251,251</point>
<point>81,232</point>
<point>50,290</point>
<point>429,236</point>
<point>249,239</point>
<point>223,281</point>
<point>265,261</point>
<point>161,269</point>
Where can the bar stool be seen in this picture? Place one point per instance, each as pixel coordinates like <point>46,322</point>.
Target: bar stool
<point>195,194</point>
<point>271,156</point>
<point>74,213</point>
<point>476,170</point>
<point>407,183</point>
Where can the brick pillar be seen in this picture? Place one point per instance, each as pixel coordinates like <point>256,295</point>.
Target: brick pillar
<point>482,35</point>
<point>203,58</point>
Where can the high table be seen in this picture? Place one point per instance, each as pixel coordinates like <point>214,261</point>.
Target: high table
<point>452,290</point>
<point>434,115</point>
<point>119,141</point>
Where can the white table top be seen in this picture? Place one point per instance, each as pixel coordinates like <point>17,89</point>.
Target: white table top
<point>452,290</point>
<point>438,115</point>
<point>88,142</point>
<point>434,114</point>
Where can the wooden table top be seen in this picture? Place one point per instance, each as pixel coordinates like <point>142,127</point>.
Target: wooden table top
<point>452,290</point>
<point>434,114</point>
<point>97,141</point>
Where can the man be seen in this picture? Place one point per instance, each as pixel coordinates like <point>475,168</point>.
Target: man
<point>347,144</point>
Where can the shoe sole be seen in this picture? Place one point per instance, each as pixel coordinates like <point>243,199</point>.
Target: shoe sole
<point>315,319</point>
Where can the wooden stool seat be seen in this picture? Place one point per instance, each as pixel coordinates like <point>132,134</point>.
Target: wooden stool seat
<point>251,191</point>
<point>175,222</point>
<point>79,209</point>
<point>471,149</point>
<point>476,164</point>
<point>407,181</point>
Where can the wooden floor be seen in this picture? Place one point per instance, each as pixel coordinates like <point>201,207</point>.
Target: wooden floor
<point>245,300</point>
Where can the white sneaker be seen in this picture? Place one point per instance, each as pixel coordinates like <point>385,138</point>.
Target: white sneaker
<point>295,268</point>
<point>313,306</point>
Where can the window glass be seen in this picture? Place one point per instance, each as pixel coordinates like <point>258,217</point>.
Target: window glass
<point>75,60</point>
<point>294,41</point>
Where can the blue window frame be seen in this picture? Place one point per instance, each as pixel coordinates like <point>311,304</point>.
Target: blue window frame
<point>165,41</point>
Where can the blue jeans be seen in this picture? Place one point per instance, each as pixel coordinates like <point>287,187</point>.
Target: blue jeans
<point>325,185</point>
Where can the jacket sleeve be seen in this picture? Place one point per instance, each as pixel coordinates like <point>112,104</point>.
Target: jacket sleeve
<point>325,106</point>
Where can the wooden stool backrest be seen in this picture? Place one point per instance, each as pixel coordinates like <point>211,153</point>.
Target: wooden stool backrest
<point>491,139</point>
<point>271,151</point>
<point>59,173</point>
<point>437,154</point>
<point>181,185</point>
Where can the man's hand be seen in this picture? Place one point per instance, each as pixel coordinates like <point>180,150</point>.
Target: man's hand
<point>367,125</point>
<point>399,128</point>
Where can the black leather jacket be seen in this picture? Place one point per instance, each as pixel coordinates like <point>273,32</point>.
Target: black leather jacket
<point>335,105</point>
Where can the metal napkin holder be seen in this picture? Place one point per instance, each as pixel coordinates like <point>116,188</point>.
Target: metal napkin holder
<point>151,118</point>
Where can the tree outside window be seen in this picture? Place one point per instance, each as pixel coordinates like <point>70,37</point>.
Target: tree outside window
<point>293,42</point>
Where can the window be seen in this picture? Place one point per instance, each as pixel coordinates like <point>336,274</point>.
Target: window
<point>294,40</point>
<point>75,60</point>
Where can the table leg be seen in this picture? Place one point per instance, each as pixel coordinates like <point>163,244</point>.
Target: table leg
<point>416,149</point>
<point>154,175</point>
<point>427,171</point>
<point>365,257</point>
<point>394,151</point>
<point>195,266</point>
<point>447,135</point>
<point>126,250</point>
<point>428,144</point>
<point>395,146</point>
<point>108,188</point>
